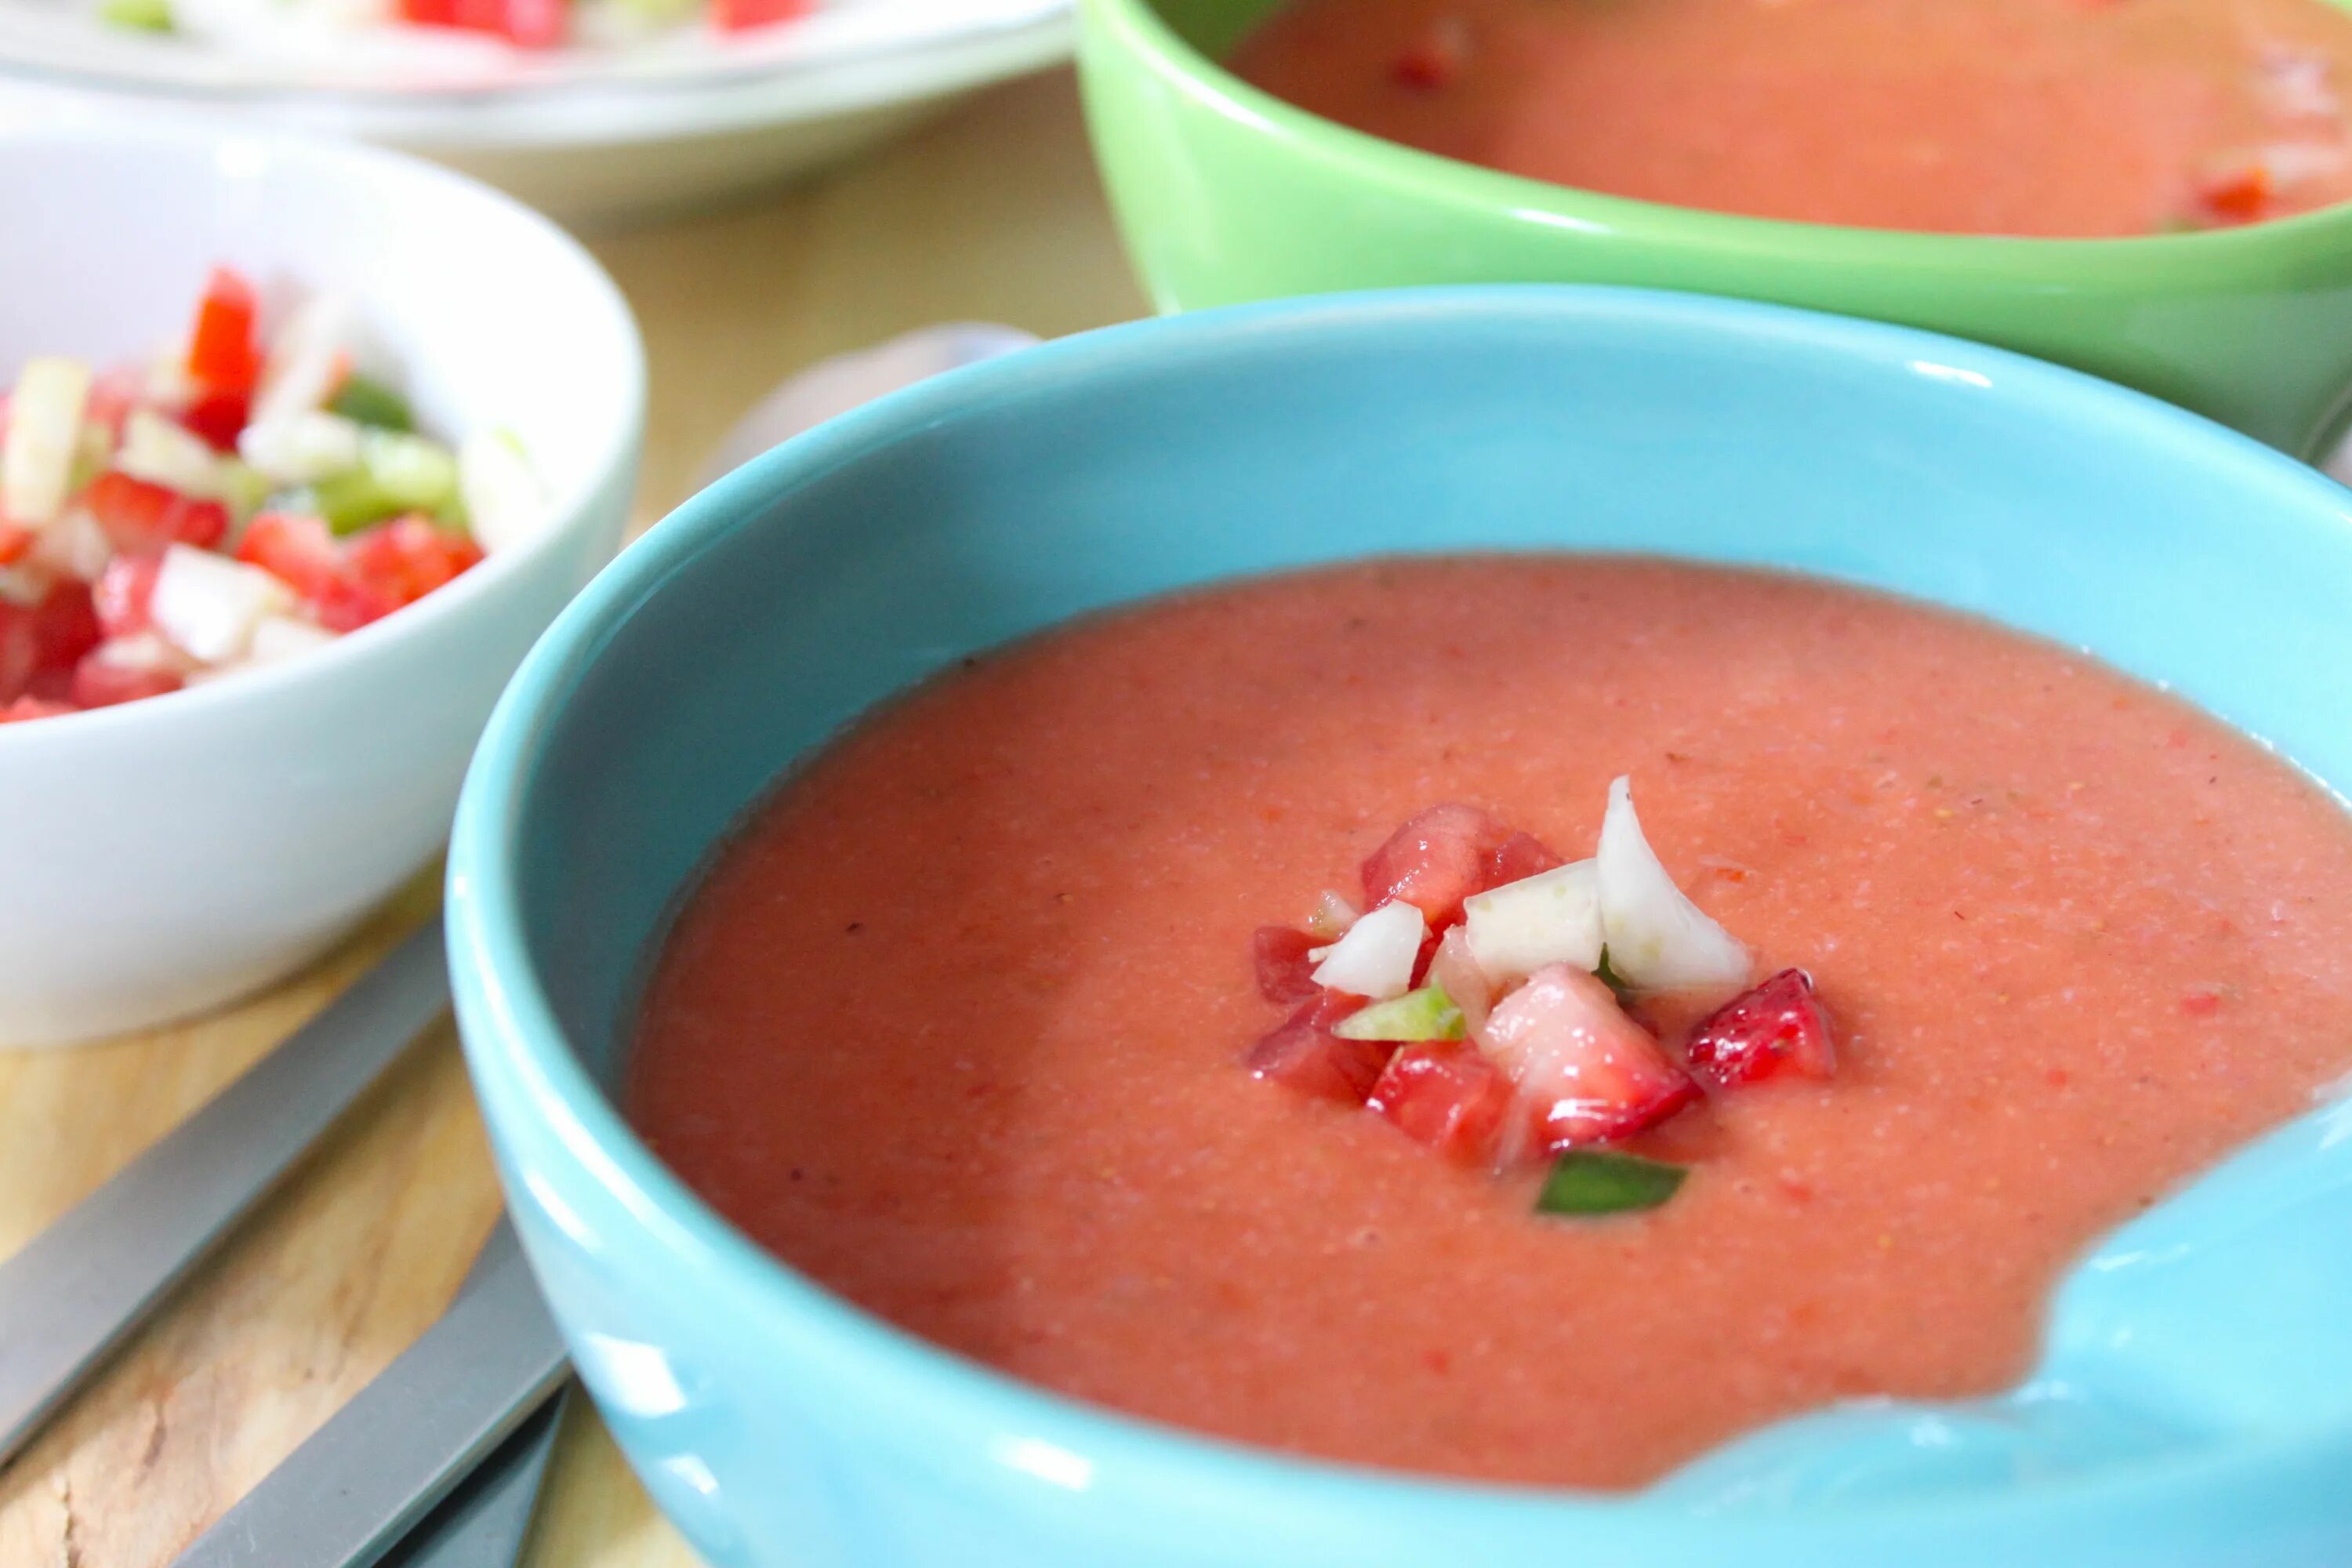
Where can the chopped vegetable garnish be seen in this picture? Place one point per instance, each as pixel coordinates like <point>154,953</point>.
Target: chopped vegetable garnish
<point>366,401</point>
<point>1553,917</point>
<point>1586,1073</point>
<point>1776,1027</point>
<point>135,552</point>
<point>1376,958</point>
<point>1658,940</point>
<point>1606,972</point>
<point>138,16</point>
<point>1445,1094</point>
<point>1428,1013</point>
<point>1591,1182</point>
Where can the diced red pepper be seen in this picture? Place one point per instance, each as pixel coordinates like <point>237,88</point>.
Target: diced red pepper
<point>1447,1094</point>
<point>1779,1027</point>
<point>742,15</point>
<point>1436,58</point>
<point>1284,973</point>
<point>1586,1072</point>
<point>1522,856</point>
<point>2241,195</point>
<point>530,24</point>
<point>1305,1055</point>
<point>1434,861</point>
<point>13,541</point>
<point>125,592</point>
<point>143,517</point>
<point>98,682</point>
<point>224,354</point>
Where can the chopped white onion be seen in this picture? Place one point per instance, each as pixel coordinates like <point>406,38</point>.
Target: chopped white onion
<point>1465,981</point>
<point>141,651</point>
<point>283,636</point>
<point>73,546</point>
<point>37,460</point>
<point>1332,917</point>
<point>209,605</point>
<point>1553,917</point>
<point>306,357</point>
<point>301,448</point>
<point>1375,958</point>
<point>505,501</point>
<point>165,453</point>
<point>1658,940</point>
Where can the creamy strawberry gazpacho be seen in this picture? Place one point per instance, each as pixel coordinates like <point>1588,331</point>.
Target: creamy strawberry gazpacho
<point>1530,1018</point>
<point>2017,117</point>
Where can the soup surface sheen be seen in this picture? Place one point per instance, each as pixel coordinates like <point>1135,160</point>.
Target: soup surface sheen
<point>2015,117</point>
<point>953,1024</point>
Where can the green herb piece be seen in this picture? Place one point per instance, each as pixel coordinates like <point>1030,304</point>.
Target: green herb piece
<point>366,401</point>
<point>137,15</point>
<point>1587,1182</point>
<point>1428,1013</point>
<point>1619,986</point>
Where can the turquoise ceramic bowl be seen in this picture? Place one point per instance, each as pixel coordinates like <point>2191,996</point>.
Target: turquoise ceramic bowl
<point>2194,1404</point>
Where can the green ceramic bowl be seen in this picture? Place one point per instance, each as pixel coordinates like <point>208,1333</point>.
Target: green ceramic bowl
<point>1226,195</point>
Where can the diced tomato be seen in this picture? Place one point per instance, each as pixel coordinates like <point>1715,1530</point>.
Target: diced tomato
<point>298,550</point>
<point>741,16</point>
<point>125,592</point>
<point>1585,1071</point>
<point>223,355</point>
<point>141,516</point>
<point>1284,973</point>
<point>1304,1053</point>
<point>1522,856</point>
<point>25,708</point>
<point>13,541</point>
<point>2241,195</point>
<point>218,417</point>
<point>100,683</point>
<point>532,24</point>
<point>346,605</point>
<point>1434,861</point>
<point>1447,1094</point>
<point>65,627</point>
<point>408,557</point>
<point>1779,1027</point>
<point>1436,58</point>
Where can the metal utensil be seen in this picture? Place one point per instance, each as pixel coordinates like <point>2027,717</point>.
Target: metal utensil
<point>78,1287</point>
<point>380,1463</point>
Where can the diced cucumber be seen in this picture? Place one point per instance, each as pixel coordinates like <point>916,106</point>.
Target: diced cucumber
<point>367,401</point>
<point>1428,1013</point>
<point>397,474</point>
<point>138,16</point>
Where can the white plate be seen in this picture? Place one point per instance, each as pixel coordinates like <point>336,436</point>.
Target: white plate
<point>591,136</point>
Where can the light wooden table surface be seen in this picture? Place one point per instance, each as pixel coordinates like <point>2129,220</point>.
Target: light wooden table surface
<point>991,214</point>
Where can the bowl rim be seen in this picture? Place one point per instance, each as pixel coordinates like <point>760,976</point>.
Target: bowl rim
<point>527,1072</point>
<point>572,507</point>
<point>601,79</point>
<point>2127,261</point>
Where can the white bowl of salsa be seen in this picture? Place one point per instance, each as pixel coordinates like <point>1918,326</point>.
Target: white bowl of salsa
<point>853,908</point>
<point>178,851</point>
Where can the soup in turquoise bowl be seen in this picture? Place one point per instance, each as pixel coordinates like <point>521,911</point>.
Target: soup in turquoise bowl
<point>778,1422</point>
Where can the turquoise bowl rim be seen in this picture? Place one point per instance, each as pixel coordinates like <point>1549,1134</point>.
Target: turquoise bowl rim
<point>533,1087</point>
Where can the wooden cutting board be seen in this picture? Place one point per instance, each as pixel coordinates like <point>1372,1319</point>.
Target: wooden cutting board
<point>992,214</point>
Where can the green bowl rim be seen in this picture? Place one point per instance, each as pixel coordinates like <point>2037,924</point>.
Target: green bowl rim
<point>2204,255</point>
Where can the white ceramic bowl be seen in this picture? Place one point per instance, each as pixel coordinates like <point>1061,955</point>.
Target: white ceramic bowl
<point>166,856</point>
<point>591,136</point>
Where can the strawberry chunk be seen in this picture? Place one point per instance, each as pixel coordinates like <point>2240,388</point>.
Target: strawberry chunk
<point>125,592</point>
<point>1447,1094</point>
<point>100,682</point>
<point>298,550</point>
<point>1283,973</point>
<point>1522,856</point>
<point>25,708</point>
<point>138,516</point>
<point>1585,1072</point>
<point>407,558</point>
<point>1779,1027</point>
<point>1434,861</point>
<point>1304,1053</point>
<point>65,627</point>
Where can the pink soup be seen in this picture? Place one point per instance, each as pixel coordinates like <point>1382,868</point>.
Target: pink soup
<point>2015,117</point>
<point>956,1023</point>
